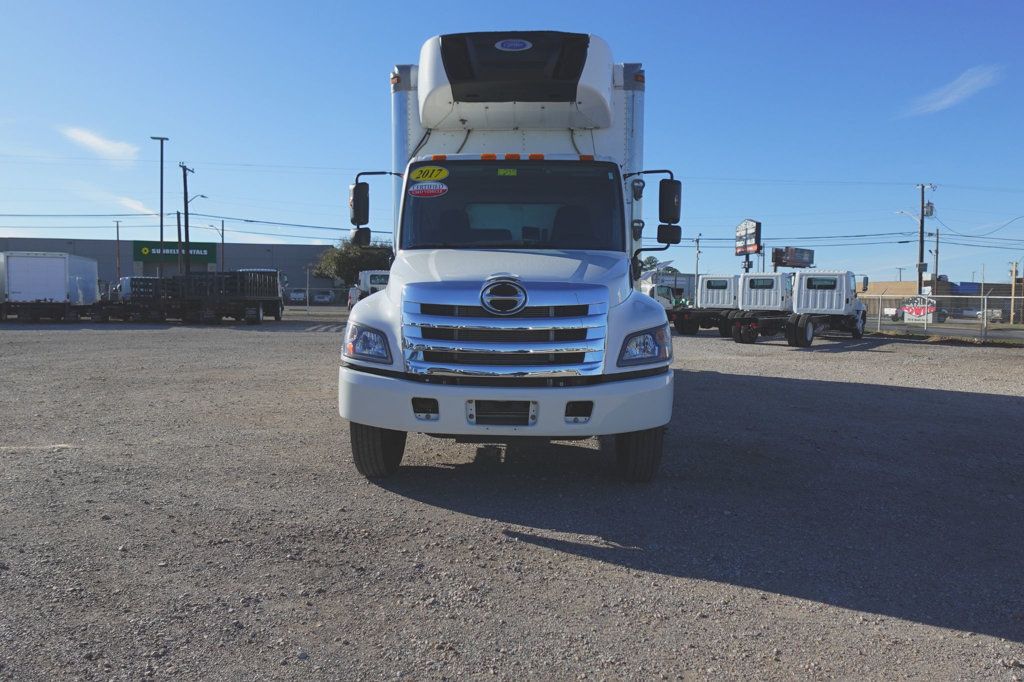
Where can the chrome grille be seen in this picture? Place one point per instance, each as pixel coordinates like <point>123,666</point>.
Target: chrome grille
<point>562,334</point>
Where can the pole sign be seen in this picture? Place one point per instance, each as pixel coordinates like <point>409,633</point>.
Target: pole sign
<point>748,237</point>
<point>150,252</point>
<point>918,309</point>
<point>792,257</point>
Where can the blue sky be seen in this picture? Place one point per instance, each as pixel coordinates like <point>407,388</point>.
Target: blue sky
<point>817,118</point>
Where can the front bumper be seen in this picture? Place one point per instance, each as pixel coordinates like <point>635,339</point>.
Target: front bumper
<point>619,407</point>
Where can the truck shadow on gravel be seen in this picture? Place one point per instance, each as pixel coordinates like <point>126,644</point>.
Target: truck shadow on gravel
<point>895,501</point>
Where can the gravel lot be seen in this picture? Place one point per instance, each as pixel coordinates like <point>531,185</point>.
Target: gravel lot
<point>180,502</point>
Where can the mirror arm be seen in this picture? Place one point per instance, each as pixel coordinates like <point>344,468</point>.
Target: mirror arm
<point>651,172</point>
<point>634,269</point>
<point>359,175</point>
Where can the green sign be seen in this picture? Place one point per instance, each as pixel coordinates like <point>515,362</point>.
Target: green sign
<point>150,252</point>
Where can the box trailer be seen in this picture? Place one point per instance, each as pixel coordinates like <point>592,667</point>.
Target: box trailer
<point>58,286</point>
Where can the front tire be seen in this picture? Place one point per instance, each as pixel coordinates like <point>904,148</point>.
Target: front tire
<point>858,326</point>
<point>638,454</point>
<point>376,452</point>
<point>686,327</point>
<point>805,331</point>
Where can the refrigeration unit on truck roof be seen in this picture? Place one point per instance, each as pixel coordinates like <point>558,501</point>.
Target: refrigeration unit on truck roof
<point>511,309</point>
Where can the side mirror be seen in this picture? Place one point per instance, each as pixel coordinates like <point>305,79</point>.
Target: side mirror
<point>670,234</point>
<point>638,189</point>
<point>670,198</point>
<point>864,286</point>
<point>359,203</point>
<point>360,236</point>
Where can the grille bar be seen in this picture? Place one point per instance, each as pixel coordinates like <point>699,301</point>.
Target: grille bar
<point>524,348</point>
<point>588,322</point>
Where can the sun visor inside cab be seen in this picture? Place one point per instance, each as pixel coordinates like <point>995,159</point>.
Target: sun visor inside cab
<point>505,80</point>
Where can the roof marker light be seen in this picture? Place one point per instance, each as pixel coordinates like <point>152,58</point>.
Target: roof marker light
<point>438,157</point>
<point>512,157</point>
<point>536,157</point>
<point>586,157</point>
<point>489,157</point>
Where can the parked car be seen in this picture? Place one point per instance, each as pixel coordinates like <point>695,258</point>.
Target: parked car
<point>323,297</point>
<point>993,314</point>
<point>297,296</point>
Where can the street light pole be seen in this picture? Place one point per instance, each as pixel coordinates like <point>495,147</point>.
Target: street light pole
<point>222,246</point>
<point>160,261</point>
<point>920,237</point>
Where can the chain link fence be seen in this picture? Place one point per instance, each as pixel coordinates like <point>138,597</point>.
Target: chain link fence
<point>977,317</point>
<point>316,296</point>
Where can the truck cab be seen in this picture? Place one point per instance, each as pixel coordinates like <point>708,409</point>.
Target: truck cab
<point>511,309</point>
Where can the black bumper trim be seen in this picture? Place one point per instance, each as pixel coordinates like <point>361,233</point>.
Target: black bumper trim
<point>509,382</point>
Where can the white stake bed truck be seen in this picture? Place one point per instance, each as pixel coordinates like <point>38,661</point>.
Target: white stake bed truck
<point>510,310</point>
<point>798,305</point>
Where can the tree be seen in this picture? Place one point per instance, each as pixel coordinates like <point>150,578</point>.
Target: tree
<point>346,261</point>
<point>650,262</point>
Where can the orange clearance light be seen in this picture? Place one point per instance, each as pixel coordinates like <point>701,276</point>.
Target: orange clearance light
<point>512,157</point>
<point>639,77</point>
<point>395,79</point>
<point>438,157</point>
<point>536,157</point>
<point>586,157</point>
<point>489,157</point>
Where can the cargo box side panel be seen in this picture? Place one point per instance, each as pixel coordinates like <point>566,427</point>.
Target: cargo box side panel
<point>37,278</point>
<point>766,291</point>
<point>3,278</point>
<point>83,280</point>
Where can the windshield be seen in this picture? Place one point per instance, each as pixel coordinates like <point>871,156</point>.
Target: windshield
<point>513,204</point>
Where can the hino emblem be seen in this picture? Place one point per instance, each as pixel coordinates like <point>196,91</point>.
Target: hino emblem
<point>503,296</point>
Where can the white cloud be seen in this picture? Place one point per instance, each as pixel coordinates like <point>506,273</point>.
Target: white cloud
<point>966,85</point>
<point>135,205</point>
<point>111,150</point>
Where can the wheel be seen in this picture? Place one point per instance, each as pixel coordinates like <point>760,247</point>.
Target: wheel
<point>748,334</point>
<point>736,333</point>
<point>805,331</point>
<point>858,326</point>
<point>376,452</point>
<point>254,315</point>
<point>278,312</point>
<point>724,329</point>
<point>638,454</point>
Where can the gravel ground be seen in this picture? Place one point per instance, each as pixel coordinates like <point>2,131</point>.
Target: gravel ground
<point>180,502</point>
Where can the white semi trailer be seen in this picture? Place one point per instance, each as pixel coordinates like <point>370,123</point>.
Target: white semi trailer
<point>799,305</point>
<point>511,309</point>
<point>57,286</point>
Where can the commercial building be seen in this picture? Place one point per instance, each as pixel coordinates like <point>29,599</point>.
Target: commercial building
<point>145,257</point>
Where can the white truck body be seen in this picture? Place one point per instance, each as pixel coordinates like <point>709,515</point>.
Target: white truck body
<point>717,291</point>
<point>511,298</point>
<point>37,277</point>
<point>372,281</point>
<point>766,291</point>
<point>825,292</point>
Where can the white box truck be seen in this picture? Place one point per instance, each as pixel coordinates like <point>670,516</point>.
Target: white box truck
<point>511,309</point>
<point>57,286</point>
<point>799,305</point>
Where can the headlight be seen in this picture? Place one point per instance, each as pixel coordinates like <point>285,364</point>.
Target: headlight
<point>650,345</point>
<point>364,343</point>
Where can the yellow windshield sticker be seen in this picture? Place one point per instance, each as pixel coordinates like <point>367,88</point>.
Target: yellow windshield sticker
<point>508,172</point>
<point>429,173</point>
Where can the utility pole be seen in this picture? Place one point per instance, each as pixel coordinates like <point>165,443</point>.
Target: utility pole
<point>696,270</point>
<point>160,261</point>
<point>935,273</point>
<point>1013,289</point>
<point>117,248</point>
<point>900,271</point>
<point>222,246</point>
<point>179,242</point>
<point>920,238</point>
<point>185,170</point>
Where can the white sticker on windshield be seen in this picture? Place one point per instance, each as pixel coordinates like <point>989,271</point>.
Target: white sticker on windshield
<point>428,190</point>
